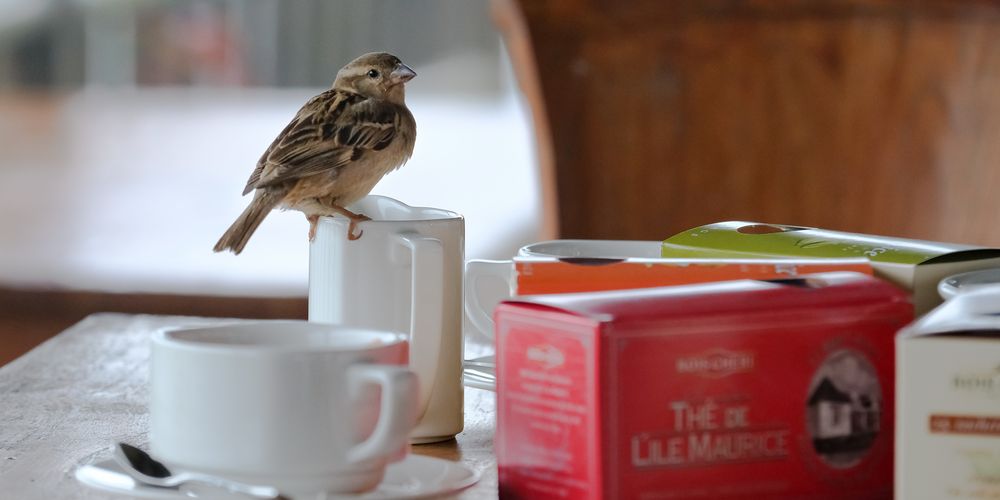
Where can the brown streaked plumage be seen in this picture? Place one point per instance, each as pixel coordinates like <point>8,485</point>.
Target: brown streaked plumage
<point>338,146</point>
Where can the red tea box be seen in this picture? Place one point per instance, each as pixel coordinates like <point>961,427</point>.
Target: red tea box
<point>738,389</point>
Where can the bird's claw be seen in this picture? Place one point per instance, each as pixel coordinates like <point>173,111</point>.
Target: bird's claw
<point>353,227</point>
<point>351,230</point>
<point>313,220</point>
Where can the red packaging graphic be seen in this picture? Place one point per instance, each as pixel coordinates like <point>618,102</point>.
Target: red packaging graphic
<point>740,389</point>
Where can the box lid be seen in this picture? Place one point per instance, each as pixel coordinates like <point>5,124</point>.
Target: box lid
<point>975,312</point>
<point>754,239</point>
<point>825,291</point>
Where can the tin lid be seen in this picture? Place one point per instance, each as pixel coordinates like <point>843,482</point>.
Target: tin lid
<point>963,282</point>
<point>975,312</point>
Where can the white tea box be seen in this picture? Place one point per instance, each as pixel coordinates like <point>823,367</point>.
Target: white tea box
<point>948,401</point>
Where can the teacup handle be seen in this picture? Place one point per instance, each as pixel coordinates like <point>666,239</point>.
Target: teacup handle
<point>397,411</point>
<point>426,309</point>
<point>475,270</point>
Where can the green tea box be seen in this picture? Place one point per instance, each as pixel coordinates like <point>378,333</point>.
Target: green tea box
<point>915,265</point>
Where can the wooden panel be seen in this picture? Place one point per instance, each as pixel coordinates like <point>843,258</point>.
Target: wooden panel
<point>869,116</point>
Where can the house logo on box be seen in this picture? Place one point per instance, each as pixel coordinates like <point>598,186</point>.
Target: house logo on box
<point>844,408</point>
<point>716,363</point>
<point>546,355</point>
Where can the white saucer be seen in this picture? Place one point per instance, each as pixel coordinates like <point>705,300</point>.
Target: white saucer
<point>416,476</point>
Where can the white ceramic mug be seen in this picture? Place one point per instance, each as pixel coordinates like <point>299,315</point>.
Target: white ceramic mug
<point>403,274</point>
<point>481,297</point>
<point>303,407</point>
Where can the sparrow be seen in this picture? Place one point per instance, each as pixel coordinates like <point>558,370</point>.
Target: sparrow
<point>338,146</point>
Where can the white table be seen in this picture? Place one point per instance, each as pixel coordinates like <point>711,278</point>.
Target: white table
<point>65,401</point>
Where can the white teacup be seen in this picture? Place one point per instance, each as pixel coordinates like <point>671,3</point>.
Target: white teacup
<point>403,274</point>
<point>303,407</point>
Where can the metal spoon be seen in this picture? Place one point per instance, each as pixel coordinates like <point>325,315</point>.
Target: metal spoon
<point>147,470</point>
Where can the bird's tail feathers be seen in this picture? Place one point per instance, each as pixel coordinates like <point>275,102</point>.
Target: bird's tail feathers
<point>236,237</point>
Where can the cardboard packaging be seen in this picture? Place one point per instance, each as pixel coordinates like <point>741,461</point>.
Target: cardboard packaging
<point>948,386</point>
<point>737,389</point>
<point>542,275</point>
<point>570,266</point>
<point>915,265</point>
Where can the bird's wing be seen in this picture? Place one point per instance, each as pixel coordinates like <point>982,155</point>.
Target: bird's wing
<point>331,130</point>
<point>262,162</point>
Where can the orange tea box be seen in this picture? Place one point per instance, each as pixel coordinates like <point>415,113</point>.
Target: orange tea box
<point>542,275</point>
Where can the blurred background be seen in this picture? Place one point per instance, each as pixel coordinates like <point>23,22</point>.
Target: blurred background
<point>128,129</point>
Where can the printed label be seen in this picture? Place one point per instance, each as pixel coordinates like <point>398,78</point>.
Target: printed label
<point>964,424</point>
<point>716,363</point>
<point>709,433</point>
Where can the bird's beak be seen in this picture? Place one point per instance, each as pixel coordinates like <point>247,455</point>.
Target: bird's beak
<point>401,74</point>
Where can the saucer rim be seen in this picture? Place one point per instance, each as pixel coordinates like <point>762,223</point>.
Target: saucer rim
<point>105,463</point>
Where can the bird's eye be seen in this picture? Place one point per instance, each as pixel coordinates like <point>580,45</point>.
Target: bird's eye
<point>373,73</point>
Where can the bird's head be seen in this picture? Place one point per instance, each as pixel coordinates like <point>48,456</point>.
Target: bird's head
<point>376,74</point>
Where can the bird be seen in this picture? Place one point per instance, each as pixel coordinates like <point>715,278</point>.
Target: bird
<point>333,152</point>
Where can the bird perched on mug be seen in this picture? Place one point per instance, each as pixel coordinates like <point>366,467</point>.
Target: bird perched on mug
<point>338,146</point>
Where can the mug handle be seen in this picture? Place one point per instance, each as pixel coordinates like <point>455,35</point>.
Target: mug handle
<point>397,410</point>
<point>426,309</point>
<point>475,271</point>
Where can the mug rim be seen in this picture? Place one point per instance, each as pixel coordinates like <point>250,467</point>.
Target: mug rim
<point>450,215</point>
<point>454,217</point>
<point>172,337</point>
